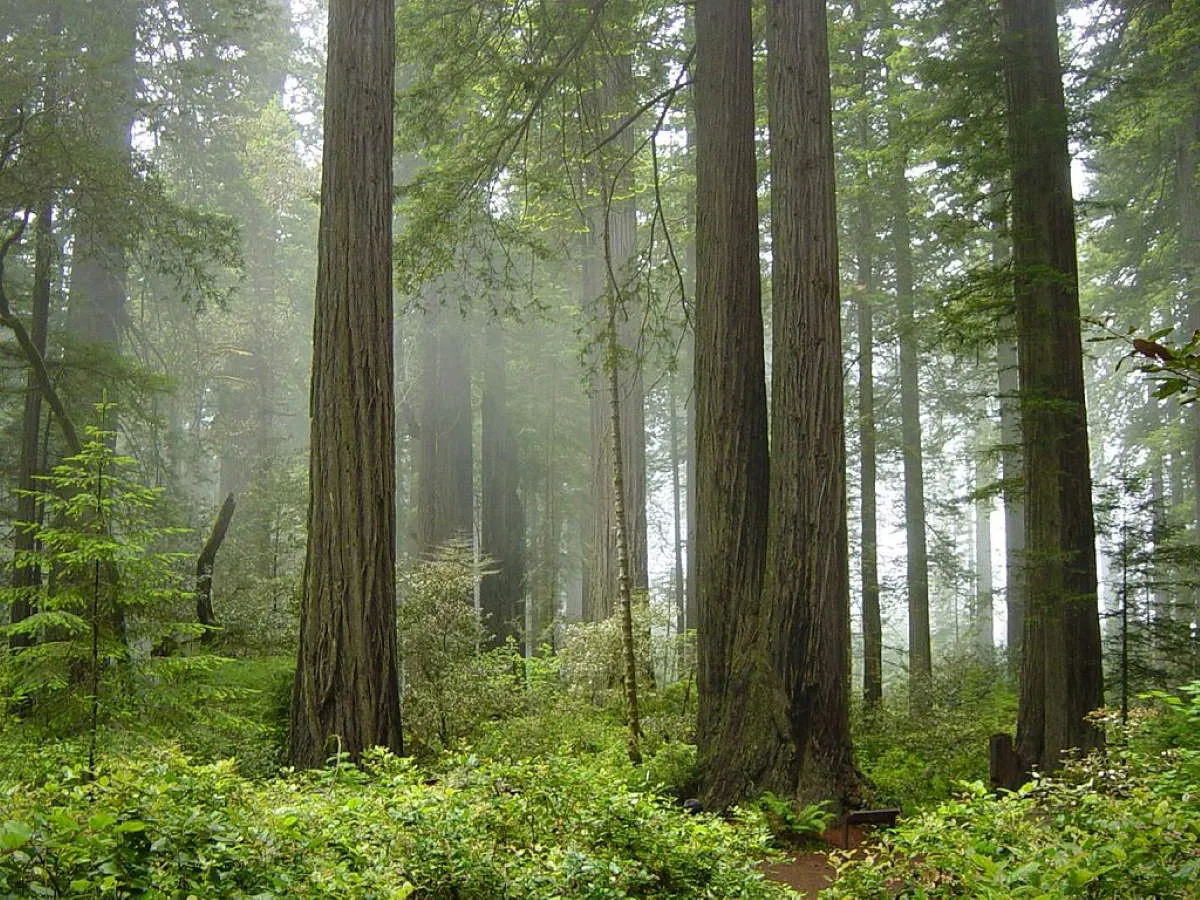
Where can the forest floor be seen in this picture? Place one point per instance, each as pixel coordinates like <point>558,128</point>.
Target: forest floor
<point>807,870</point>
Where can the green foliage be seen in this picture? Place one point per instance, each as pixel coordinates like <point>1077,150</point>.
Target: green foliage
<point>911,762</point>
<point>788,821</point>
<point>561,826</point>
<point>108,567</point>
<point>450,687</point>
<point>591,654</point>
<point>1122,824</point>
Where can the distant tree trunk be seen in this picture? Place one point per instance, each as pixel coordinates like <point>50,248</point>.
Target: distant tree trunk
<point>920,656</point>
<point>544,605</point>
<point>445,491</point>
<point>99,268</point>
<point>502,514</point>
<point>1187,161</point>
<point>624,587</point>
<point>872,619</point>
<point>983,629</point>
<point>1061,678</point>
<point>1012,475</point>
<point>871,608</point>
<point>730,389</point>
<point>27,579</point>
<point>807,591</point>
<point>205,564</point>
<point>346,695</point>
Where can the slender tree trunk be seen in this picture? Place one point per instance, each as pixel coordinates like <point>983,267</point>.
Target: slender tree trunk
<point>1012,475</point>
<point>872,618</point>
<point>730,389</point>
<point>613,250</point>
<point>920,656</point>
<point>346,695</point>
<point>1061,670</point>
<point>624,587</point>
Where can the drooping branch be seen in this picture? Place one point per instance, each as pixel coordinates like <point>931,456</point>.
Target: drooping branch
<point>35,359</point>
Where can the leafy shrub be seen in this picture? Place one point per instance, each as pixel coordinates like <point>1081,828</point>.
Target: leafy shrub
<point>1122,824</point>
<point>560,826</point>
<point>449,686</point>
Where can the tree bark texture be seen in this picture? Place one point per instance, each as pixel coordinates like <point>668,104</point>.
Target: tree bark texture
<point>502,513</point>
<point>807,591</point>
<point>1061,679</point>
<point>346,695</point>
<point>445,477</point>
<point>730,392</point>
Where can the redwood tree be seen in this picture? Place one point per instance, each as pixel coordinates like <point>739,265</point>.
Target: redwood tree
<point>345,696</point>
<point>1061,679</point>
<point>730,382</point>
<point>808,581</point>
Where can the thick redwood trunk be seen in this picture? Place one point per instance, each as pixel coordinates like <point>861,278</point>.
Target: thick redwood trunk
<point>1061,671</point>
<point>346,695</point>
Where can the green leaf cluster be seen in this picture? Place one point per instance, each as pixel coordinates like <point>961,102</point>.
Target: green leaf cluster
<point>562,826</point>
<point>1120,824</point>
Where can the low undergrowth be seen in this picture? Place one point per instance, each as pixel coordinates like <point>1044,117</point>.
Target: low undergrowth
<point>1122,824</point>
<point>155,823</point>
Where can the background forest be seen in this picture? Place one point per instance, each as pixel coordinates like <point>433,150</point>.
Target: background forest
<point>421,475</point>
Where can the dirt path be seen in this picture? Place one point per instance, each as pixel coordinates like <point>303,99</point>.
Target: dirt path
<point>809,871</point>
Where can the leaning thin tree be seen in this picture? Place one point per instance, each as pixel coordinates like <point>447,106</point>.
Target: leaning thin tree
<point>345,698</point>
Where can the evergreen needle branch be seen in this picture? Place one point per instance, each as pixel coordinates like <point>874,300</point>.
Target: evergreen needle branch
<point>32,355</point>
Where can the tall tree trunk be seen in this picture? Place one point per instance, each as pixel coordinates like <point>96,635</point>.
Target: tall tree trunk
<point>920,656</point>
<point>27,579</point>
<point>1061,668</point>
<point>445,477</point>
<point>872,618</point>
<point>346,695</point>
<point>807,592</point>
<point>502,514</point>
<point>730,386</point>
